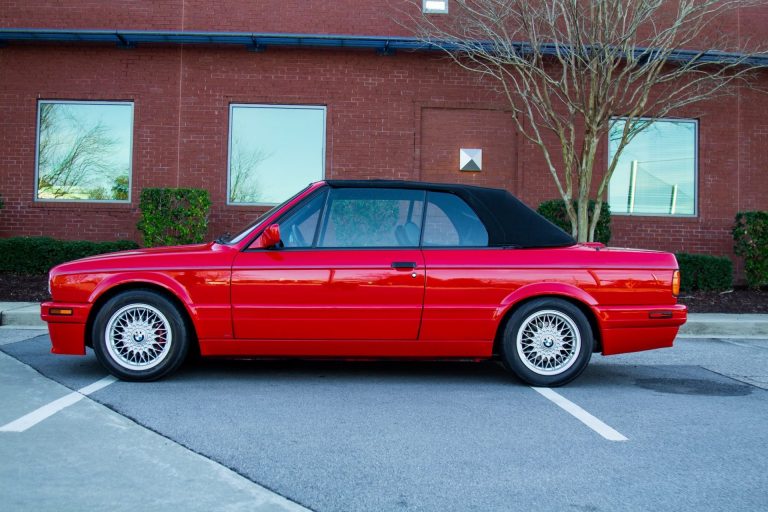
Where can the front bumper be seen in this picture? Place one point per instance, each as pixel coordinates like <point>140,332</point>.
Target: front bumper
<point>636,328</point>
<point>67,331</point>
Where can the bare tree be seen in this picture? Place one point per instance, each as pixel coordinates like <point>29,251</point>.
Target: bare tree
<point>243,186</point>
<point>571,68</point>
<point>68,159</point>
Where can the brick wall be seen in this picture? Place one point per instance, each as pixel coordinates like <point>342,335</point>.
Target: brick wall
<point>362,17</point>
<point>399,117</point>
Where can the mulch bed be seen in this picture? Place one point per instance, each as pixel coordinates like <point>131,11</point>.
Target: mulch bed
<point>740,300</point>
<point>23,288</point>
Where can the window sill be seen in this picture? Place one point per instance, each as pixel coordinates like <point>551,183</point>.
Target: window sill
<point>655,217</point>
<point>87,206</point>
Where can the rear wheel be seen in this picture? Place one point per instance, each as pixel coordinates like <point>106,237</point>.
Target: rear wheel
<point>140,335</point>
<point>547,342</point>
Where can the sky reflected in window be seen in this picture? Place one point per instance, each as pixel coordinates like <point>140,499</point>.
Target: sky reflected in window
<point>275,151</point>
<point>84,151</point>
<point>656,172</point>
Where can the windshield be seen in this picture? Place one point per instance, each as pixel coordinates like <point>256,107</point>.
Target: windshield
<point>255,224</point>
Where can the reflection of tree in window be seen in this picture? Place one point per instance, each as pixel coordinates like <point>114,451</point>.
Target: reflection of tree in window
<point>360,223</point>
<point>76,156</point>
<point>244,165</point>
<point>120,188</point>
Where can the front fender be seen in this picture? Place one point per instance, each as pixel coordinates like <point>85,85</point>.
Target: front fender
<point>150,278</point>
<point>532,290</point>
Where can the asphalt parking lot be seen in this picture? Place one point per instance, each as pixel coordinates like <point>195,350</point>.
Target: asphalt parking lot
<point>388,436</point>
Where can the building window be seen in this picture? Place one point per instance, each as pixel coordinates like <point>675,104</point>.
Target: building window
<point>274,151</point>
<point>656,172</point>
<point>84,151</point>
<point>435,6</point>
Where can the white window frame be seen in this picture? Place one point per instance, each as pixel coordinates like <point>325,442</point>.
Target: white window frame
<point>427,10</point>
<point>37,152</point>
<point>695,169</point>
<point>232,106</point>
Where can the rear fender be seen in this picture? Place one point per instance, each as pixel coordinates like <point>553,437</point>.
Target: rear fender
<point>533,290</point>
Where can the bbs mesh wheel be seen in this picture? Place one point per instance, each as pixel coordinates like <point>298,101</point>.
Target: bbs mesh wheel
<point>547,342</point>
<point>140,335</point>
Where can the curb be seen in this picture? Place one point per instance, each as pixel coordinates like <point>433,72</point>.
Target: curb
<point>700,325</point>
<point>21,314</point>
<point>725,325</point>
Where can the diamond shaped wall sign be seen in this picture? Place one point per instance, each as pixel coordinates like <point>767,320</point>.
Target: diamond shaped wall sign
<point>470,160</point>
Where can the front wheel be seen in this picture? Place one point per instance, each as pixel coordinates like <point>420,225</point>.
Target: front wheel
<point>547,342</point>
<point>140,335</point>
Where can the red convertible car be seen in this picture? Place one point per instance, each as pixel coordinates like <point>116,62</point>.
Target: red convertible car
<point>372,269</point>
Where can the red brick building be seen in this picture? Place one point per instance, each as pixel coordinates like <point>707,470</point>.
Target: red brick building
<point>175,107</point>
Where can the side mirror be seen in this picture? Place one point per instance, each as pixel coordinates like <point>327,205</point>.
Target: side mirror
<point>270,237</point>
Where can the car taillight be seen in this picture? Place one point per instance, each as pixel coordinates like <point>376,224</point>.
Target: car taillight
<point>676,283</point>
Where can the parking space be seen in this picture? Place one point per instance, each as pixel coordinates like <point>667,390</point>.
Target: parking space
<point>447,436</point>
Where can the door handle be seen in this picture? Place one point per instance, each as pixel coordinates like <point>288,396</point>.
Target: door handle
<point>403,265</point>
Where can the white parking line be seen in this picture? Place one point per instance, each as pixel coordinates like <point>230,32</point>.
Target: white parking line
<point>48,410</point>
<point>580,414</point>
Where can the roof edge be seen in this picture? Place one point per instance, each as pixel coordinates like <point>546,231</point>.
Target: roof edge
<point>258,41</point>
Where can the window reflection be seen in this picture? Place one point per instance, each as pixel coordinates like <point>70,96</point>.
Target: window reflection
<point>373,218</point>
<point>451,222</point>
<point>656,172</point>
<point>84,151</point>
<point>274,151</point>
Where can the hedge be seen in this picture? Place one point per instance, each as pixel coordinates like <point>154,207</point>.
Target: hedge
<point>36,255</point>
<point>173,216</point>
<point>704,272</point>
<point>554,210</point>
<point>750,236</point>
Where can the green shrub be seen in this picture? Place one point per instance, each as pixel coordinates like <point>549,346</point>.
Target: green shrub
<point>704,272</point>
<point>36,255</point>
<point>554,210</point>
<point>173,216</point>
<point>750,236</point>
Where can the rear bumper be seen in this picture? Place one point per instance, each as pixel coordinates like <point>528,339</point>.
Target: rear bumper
<point>635,328</point>
<point>67,331</point>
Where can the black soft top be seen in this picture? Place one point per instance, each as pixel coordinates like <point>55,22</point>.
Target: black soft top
<point>508,220</point>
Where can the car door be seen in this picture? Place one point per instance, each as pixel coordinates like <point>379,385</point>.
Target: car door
<point>350,269</point>
<point>463,274</point>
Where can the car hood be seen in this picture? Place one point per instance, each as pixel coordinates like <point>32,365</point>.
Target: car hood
<point>172,249</point>
<point>180,256</point>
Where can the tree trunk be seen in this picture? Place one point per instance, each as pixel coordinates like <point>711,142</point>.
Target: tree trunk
<point>595,218</point>
<point>583,220</point>
<point>585,234</point>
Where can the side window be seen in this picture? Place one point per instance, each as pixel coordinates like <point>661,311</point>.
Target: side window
<point>450,222</point>
<point>299,227</point>
<point>368,217</point>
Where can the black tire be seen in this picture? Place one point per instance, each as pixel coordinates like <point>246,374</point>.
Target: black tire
<point>140,335</point>
<point>547,342</point>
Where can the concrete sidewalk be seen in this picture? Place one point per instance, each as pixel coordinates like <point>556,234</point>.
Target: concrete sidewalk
<point>89,457</point>
<point>721,325</point>
<point>21,314</point>
<point>703,325</point>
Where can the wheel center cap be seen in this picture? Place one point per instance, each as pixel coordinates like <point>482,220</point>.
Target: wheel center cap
<point>548,343</point>
<point>138,337</point>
